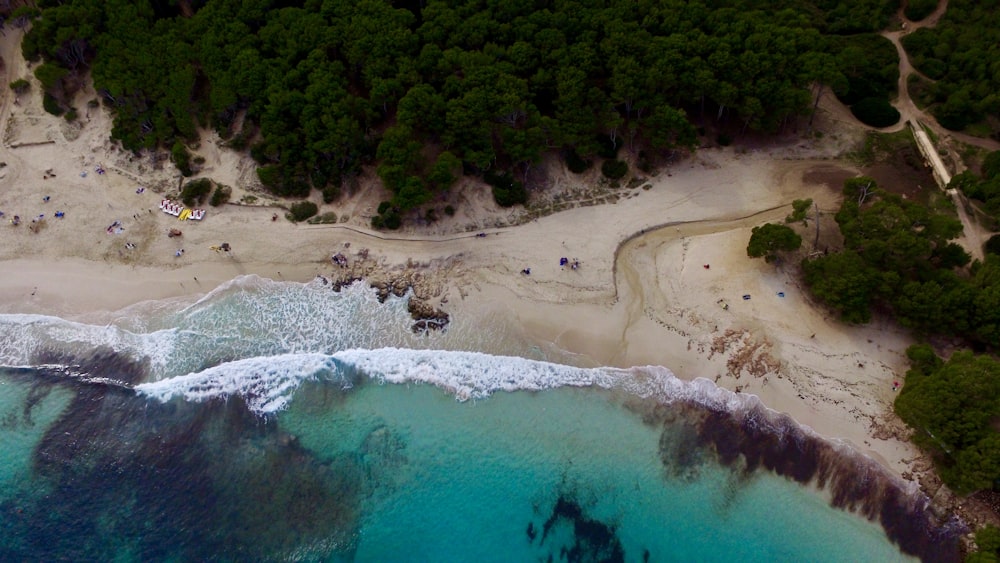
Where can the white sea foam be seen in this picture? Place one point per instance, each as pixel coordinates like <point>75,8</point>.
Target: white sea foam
<point>265,383</point>
<point>269,382</point>
<point>24,336</point>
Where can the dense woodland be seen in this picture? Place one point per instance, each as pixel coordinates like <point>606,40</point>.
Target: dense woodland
<point>426,91</point>
<point>961,56</point>
<point>898,259</point>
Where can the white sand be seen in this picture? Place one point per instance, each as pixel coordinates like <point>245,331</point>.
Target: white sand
<point>641,295</point>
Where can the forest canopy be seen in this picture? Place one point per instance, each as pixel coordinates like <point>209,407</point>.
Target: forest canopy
<point>960,55</point>
<point>953,407</point>
<point>430,90</point>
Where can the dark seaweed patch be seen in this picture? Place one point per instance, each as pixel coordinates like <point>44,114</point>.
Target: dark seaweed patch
<point>102,362</point>
<point>119,474</point>
<point>592,540</point>
<point>757,439</point>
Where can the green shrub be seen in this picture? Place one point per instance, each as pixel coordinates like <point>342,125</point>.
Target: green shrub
<point>49,74</point>
<point>449,210</point>
<point>181,158</point>
<point>992,246</point>
<point>328,218</point>
<point>876,112</point>
<point>388,217</point>
<point>800,208</point>
<point>270,176</point>
<point>220,196</point>
<point>196,191</point>
<point>20,86</point>
<point>607,148</point>
<point>392,220</point>
<point>51,105</point>
<point>303,210</point>
<point>614,169</point>
<point>331,193</point>
<point>507,191</point>
<point>71,115</point>
<point>239,142</point>
<point>576,163</point>
<point>723,139</point>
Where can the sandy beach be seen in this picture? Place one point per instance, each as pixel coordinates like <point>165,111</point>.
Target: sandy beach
<point>663,265</point>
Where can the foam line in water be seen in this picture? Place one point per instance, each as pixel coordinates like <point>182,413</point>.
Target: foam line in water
<point>266,383</point>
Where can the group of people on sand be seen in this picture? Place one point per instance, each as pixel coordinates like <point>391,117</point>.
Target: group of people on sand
<point>16,219</point>
<point>564,261</point>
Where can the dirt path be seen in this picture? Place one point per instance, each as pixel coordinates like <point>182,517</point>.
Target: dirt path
<point>974,233</point>
<point>904,103</point>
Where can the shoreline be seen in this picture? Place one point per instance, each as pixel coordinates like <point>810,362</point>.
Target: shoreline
<point>641,296</point>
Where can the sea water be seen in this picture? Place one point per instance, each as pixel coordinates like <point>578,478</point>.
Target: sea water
<point>276,421</point>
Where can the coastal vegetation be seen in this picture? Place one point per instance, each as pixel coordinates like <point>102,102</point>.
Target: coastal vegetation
<point>769,239</point>
<point>898,255</point>
<point>898,258</point>
<point>953,407</point>
<point>426,92</point>
<point>983,187</point>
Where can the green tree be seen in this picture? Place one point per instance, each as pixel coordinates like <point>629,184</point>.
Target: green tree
<point>799,209</point>
<point>844,281</point>
<point>952,410</point>
<point>769,239</point>
<point>988,542</point>
<point>20,86</point>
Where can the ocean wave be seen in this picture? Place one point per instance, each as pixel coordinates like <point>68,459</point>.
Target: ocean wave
<point>737,428</point>
<point>268,382</point>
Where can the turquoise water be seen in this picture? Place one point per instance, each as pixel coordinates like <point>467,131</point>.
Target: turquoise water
<point>469,479</point>
<point>281,421</point>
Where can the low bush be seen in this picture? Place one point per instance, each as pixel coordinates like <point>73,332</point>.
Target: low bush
<point>331,193</point>
<point>387,218</point>
<point>51,105</point>
<point>876,112</point>
<point>20,86</point>
<point>196,192</point>
<point>575,163</point>
<point>992,246</point>
<point>507,191</point>
<point>614,169</point>
<point>220,196</point>
<point>181,158</point>
<point>303,210</point>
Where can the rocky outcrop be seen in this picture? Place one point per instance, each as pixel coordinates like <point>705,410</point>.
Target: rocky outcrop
<point>397,281</point>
